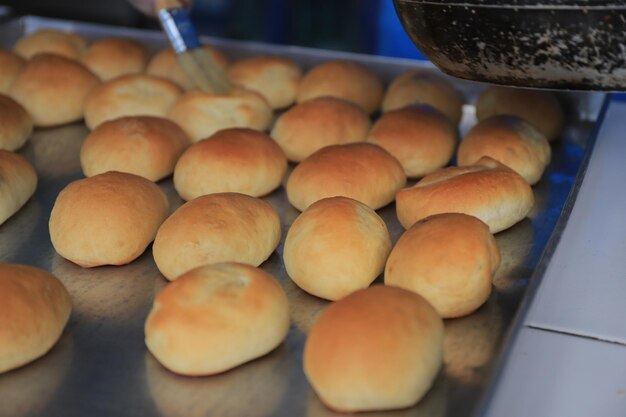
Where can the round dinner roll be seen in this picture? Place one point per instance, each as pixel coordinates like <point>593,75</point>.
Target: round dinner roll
<point>343,79</point>
<point>216,317</point>
<point>107,219</point>
<point>419,136</point>
<point>319,122</point>
<point>362,171</point>
<point>16,125</point>
<point>376,349</point>
<point>335,247</point>
<point>424,87</point>
<point>275,78</point>
<point>53,89</point>
<point>130,95</point>
<point>221,227</point>
<point>164,64</point>
<point>111,57</point>
<point>51,41</point>
<point>449,259</point>
<point>510,141</point>
<point>11,64</point>
<point>539,108</point>
<point>488,190</point>
<point>237,160</point>
<point>202,114</point>
<point>18,181</point>
<point>35,309</point>
<point>147,146</point>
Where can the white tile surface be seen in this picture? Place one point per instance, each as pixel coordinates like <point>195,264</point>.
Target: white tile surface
<point>584,288</point>
<point>555,375</point>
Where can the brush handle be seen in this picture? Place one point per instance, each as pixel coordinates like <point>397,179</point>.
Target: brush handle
<point>177,26</point>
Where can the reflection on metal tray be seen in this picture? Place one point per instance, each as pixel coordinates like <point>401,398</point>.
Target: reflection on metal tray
<point>101,366</point>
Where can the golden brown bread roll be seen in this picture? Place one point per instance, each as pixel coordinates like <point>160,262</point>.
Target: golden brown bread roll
<point>11,64</point>
<point>147,146</point>
<point>35,309</point>
<point>424,87</point>
<point>111,57</point>
<point>493,192</point>
<point>335,247</point>
<point>539,108</point>
<point>165,65</point>
<point>130,95</point>
<point>16,125</point>
<point>202,114</point>
<point>319,122</point>
<point>376,349</point>
<point>239,160</point>
<point>18,181</point>
<point>449,259</point>
<point>275,78</point>
<point>53,89</point>
<point>510,141</point>
<point>223,227</point>
<point>51,41</point>
<point>107,219</point>
<point>420,137</point>
<point>343,79</point>
<point>216,317</point>
<point>362,171</point>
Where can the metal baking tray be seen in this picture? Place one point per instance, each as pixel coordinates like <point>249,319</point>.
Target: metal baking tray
<point>101,367</point>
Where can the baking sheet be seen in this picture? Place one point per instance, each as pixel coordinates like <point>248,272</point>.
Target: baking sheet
<point>101,367</point>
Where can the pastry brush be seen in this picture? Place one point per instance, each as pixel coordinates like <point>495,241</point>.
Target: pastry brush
<point>199,66</point>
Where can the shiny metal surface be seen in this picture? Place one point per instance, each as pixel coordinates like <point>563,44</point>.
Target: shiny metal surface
<point>101,367</point>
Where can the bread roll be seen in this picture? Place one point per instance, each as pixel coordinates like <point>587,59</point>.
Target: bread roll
<point>317,123</point>
<point>343,79</point>
<point>420,137</point>
<point>147,146</point>
<point>376,349</point>
<point>53,89</point>
<point>35,309</point>
<point>216,317</point>
<point>424,87</point>
<point>107,219</point>
<point>362,171</point>
<point>509,140</point>
<point>165,65</point>
<point>130,95</point>
<point>18,181</point>
<point>16,126</point>
<point>238,160</point>
<point>335,247</point>
<point>539,108</point>
<point>202,114</point>
<point>111,57</point>
<point>494,193</point>
<point>449,259</point>
<point>223,227</point>
<point>51,41</point>
<point>275,78</point>
<point>11,64</point>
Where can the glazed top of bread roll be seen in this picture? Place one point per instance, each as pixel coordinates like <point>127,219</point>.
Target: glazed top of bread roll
<point>424,87</point>
<point>35,307</point>
<point>16,124</point>
<point>344,79</point>
<point>11,64</point>
<point>539,108</point>
<point>112,57</point>
<point>69,45</point>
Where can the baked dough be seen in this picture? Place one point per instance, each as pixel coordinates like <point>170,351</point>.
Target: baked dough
<point>216,317</point>
<point>449,259</point>
<point>11,64</point>
<point>16,125</point>
<point>376,349</point>
<point>335,247</point>
<point>111,57</point>
<point>18,181</point>
<point>51,41</point>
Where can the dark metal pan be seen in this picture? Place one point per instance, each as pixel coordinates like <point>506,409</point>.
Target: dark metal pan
<point>565,44</point>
